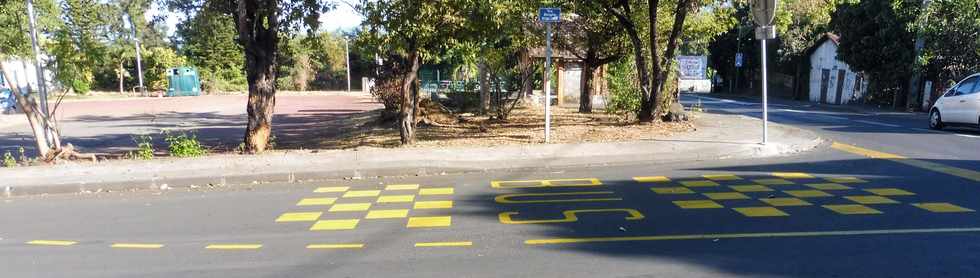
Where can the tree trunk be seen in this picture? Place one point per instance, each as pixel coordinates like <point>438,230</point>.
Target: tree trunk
<point>34,117</point>
<point>664,101</point>
<point>484,85</point>
<point>650,105</point>
<point>409,102</point>
<point>585,95</point>
<point>120,74</point>
<point>527,74</point>
<point>258,33</point>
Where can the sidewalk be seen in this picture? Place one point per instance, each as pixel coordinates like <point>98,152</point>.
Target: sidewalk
<point>717,137</point>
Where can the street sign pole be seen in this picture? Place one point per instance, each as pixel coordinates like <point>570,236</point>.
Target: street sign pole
<point>765,97</point>
<point>547,84</point>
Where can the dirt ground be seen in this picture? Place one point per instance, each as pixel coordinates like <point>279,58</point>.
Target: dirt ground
<point>524,126</point>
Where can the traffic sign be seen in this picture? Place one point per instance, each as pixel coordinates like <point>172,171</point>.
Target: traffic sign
<point>767,32</point>
<point>549,14</point>
<point>764,12</point>
<point>738,60</point>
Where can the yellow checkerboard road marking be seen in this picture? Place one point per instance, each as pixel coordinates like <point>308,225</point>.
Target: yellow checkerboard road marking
<point>436,191</point>
<point>672,190</point>
<point>785,202</point>
<point>828,186</point>
<point>316,201</point>
<point>299,216</point>
<point>350,207</point>
<point>845,180</point>
<point>792,175</point>
<point>870,200</point>
<point>760,211</point>
<point>698,183</point>
<point>402,187</point>
<point>773,182</point>
<point>233,246</point>
<point>136,245</point>
<point>386,213</point>
<point>652,179</point>
<point>433,205</point>
<point>361,193</point>
<point>52,242</point>
<point>331,189</point>
<point>721,177</point>
<point>725,196</point>
<point>336,246</point>
<point>335,224</point>
<point>429,221</point>
<point>852,209</point>
<point>444,244</point>
<point>889,192</point>
<point>750,188</point>
<point>941,207</point>
<point>396,199</point>
<point>807,193</point>
<point>546,183</point>
<point>698,204</point>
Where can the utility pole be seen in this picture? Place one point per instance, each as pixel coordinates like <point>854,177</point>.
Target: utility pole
<point>41,82</point>
<point>347,55</point>
<point>139,58</point>
<point>920,42</point>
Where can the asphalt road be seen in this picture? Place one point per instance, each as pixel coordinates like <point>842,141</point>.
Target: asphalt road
<point>889,199</point>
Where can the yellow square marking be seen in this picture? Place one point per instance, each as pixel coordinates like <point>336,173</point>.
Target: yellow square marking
<point>792,175</point>
<point>870,200</point>
<point>698,183</point>
<point>672,190</point>
<point>807,193</point>
<point>52,242</point>
<point>350,207</point>
<point>725,196</point>
<point>852,209</point>
<point>316,201</point>
<point>941,207</point>
<point>432,221</point>
<point>433,205</point>
<point>785,202</point>
<point>331,189</point>
<point>889,192</point>
<point>299,216</point>
<point>337,224</point>
<point>336,246</point>
<point>137,245</point>
<point>233,246</point>
<point>721,177</point>
<point>773,182</point>
<point>402,187</point>
<point>546,183</point>
<point>436,191</point>
<point>698,204</point>
<point>652,179</point>
<point>387,213</point>
<point>396,199</point>
<point>845,180</point>
<point>362,193</point>
<point>828,186</point>
<point>751,188</point>
<point>760,211</point>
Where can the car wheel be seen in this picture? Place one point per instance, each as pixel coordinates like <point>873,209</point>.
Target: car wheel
<point>935,120</point>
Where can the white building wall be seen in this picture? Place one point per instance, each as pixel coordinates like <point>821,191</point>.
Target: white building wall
<point>825,58</point>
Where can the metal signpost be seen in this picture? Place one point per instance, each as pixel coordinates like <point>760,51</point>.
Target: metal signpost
<point>763,13</point>
<point>548,16</point>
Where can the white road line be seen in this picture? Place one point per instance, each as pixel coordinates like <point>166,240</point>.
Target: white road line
<point>966,135</point>
<point>877,123</point>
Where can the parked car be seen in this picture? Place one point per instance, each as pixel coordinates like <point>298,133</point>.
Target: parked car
<point>960,105</point>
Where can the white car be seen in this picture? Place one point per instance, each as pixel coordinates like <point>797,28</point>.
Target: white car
<point>960,105</point>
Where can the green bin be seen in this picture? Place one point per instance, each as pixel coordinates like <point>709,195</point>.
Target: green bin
<point>184,81</point>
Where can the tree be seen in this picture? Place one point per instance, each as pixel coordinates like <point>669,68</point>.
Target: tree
<point>207,39</point>
<point>951,30</point>
<point>260,25</point>
<point>593,38</point>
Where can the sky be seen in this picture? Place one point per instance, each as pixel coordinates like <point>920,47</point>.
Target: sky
<point>343,17</point>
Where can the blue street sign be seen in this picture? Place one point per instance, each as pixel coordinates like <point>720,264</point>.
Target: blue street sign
<point>738,60</point>
<point>549,14</point>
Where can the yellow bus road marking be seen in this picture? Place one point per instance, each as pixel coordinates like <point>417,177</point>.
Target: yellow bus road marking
<point>436,191</point>
<point>52,242</point>
<point>233,246</point>
<point>652,179</point>
<point>137,245</point>
<point>546,183</point>
<point>444,244</point>
<point>792,175</point>
<point>748,235</point>
<point>433,205</point>
<point>932,166</point>
<point>430,221</point>
<point>336,246</point>
<point>507,198</point>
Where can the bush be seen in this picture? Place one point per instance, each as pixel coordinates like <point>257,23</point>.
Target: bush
<point>9,161</point>
<point>144,147</point>
<point>624,89</point>
<point>184,146</point>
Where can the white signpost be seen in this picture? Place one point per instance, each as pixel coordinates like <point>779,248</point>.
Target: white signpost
<point>763,13</point>
<point>548,16</point>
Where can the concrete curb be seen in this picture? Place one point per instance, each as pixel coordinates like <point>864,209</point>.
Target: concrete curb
<point>293,166</point>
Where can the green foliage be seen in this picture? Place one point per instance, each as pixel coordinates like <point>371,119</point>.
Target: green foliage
<point>208,40</point>
<point>15,40</point>
<point>156,62</point>
<point>182,145</point>
<point>952,33</point>
<point>624,90</point>
<point>9,161</point>
<point>144,147</point>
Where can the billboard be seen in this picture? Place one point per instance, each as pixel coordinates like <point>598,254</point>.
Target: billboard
<point>692,67</point>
